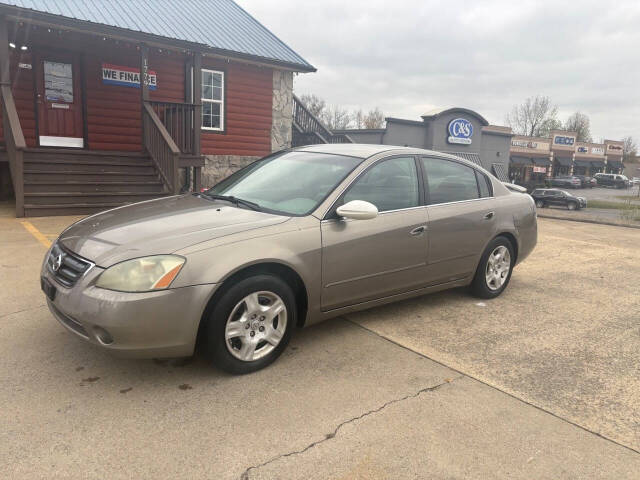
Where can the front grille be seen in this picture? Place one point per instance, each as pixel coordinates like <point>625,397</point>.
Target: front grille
<point>66,267</point>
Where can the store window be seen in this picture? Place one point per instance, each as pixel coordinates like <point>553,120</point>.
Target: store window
<point>212,100</point>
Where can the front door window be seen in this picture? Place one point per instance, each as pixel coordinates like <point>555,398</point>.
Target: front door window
<point>389,185</point>
<point>58,82</point>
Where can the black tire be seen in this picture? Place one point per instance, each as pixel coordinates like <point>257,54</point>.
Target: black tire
<point>216,343</point>
<point>479,286</point>
<point>572,206</point>
<point>540,204</point>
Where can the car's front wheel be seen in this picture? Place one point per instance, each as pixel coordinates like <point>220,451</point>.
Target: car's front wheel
<point>251,324</point>
<point>494,270</point>
<point>539,204</point>
<point>572,205</point>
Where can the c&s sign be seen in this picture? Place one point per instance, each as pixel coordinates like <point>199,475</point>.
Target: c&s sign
<point>460,131</point>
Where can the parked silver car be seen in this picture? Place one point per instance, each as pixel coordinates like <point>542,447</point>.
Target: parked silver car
<point>294,238</point>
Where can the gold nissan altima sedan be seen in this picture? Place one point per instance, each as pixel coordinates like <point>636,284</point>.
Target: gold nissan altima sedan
<point>292,239</point>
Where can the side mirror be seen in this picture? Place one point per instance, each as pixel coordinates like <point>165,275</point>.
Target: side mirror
<point>358,210</point>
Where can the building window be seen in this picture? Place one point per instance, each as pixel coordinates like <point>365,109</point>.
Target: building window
<point>212,100</point>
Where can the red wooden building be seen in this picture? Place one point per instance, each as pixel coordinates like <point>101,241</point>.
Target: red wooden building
<point>81,133</point>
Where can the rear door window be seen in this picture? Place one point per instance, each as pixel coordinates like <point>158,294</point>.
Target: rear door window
<point>483,184</point>
<point>448,181</point>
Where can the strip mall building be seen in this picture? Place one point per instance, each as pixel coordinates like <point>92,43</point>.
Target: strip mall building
<point>520,159</point>
<point>532,159</point>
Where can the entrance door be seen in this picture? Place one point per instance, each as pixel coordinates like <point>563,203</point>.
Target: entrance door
<point>59,100</point>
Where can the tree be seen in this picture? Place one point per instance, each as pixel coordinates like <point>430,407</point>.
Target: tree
<point>548,125</point>
<point>629,149</point>
<point>579,123</point>
<point>374,119</point>
<point>314,104</point>
<point>535,117</point>
<point>336,118</point>
<point>358,119</point>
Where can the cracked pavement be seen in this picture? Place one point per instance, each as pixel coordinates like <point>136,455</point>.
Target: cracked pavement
<point>437,387</point>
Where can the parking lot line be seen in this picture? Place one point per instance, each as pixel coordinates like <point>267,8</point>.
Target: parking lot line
<point>29,227</point>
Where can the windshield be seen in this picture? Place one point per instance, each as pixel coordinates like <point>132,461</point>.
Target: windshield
<point>293,183</point>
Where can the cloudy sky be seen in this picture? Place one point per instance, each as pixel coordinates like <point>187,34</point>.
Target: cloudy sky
<point>409,56</point>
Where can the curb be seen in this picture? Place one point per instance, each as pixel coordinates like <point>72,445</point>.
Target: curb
<point>583,220</point>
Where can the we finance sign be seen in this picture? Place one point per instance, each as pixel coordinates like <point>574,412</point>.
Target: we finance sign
<point>126,76</point>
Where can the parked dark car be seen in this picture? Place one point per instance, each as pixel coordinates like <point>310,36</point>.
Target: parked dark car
<point>566,181</point>
<point>612,180</point>
<point>552,196</point>
<point>586,181</point>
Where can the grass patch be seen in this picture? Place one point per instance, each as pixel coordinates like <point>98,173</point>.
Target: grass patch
<point>611,205</point>
<point>628,198</point>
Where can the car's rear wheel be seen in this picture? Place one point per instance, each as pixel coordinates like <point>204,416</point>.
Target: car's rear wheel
<point>540,204</point>
<point>251,324</point>
<point>494,270</point>
<point>572,205</point>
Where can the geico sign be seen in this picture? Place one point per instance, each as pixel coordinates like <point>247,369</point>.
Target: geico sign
<point>560,140</point>
<point>460,131</point>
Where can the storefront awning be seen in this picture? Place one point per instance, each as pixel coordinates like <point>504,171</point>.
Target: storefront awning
<point>472,157</point>
<point>597,163</point>
<point>541,161</point>
<point>500,171</point>
<point>614,163</point>
<point>515,160</point>
<point>563,161</point>
<point>582,163</point>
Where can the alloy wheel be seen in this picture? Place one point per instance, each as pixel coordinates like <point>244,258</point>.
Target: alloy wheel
<point>498,267</point>
<point>256,326</point>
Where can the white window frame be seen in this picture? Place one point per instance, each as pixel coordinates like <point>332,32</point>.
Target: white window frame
<point>219,102</point>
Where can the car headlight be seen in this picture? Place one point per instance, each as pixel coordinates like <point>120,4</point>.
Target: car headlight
<point>142,274</point>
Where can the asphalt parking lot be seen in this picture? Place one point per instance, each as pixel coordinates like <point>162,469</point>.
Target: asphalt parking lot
<point>543,382</point>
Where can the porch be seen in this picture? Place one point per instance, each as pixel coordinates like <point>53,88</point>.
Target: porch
<point>81,132</point>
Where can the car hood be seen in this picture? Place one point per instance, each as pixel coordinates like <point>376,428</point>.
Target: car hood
<point>159,226</point>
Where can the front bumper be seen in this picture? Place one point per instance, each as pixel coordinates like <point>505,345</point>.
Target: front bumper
<point>143,325</point>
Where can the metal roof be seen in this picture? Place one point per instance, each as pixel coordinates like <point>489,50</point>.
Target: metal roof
<point>218,24</point>
<point>441,111</point>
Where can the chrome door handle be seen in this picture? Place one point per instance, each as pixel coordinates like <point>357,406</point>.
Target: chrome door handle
<point>418,230</point>
<point>489,216</point>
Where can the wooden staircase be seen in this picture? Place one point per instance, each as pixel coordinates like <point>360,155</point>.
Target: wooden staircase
<point>307,129</point>
<point>80,182</point>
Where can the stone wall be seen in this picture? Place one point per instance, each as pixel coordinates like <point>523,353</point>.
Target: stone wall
<point>282,117</point>
<point>218,167</point>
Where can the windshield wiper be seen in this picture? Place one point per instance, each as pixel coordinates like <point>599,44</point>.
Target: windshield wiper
<point>230,198</point>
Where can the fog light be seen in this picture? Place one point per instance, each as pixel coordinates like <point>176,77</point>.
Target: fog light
<point>102,336</point>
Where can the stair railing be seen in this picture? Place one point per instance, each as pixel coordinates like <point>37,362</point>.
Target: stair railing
<point>178,119</point>
<point>162,148</point>
<point>15,144</point>
<point>310,130</point>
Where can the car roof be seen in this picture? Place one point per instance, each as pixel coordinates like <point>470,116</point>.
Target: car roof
<point>360,150</point>
<point>366,150</point>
